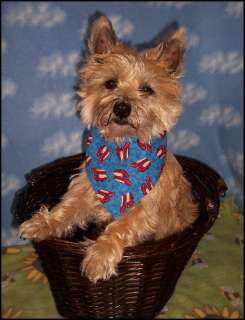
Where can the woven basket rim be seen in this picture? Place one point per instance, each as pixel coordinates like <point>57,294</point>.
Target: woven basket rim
<point>172,243</point>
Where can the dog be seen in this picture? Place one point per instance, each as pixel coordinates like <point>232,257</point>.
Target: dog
<point>126,97</point>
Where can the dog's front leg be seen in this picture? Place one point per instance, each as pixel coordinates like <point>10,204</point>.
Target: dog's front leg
<point>104,254</point>
<point>77,208</point>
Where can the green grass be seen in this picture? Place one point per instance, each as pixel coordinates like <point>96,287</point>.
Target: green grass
<point>200,287</point>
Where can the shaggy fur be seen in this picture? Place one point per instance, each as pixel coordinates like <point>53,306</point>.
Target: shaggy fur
<point>149,82</point>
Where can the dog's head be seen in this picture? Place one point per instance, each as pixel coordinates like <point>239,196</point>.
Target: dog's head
<point>128,93</point>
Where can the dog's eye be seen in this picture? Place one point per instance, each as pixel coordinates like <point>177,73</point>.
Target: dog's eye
<point>147,89</point>
<point>111,84</point>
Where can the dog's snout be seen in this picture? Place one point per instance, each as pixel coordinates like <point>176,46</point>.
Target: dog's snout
<point>122,109</point>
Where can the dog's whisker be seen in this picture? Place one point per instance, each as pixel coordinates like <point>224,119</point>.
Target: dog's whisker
<point>109,119</point>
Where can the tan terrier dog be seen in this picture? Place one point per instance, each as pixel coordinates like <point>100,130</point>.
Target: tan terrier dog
<point>124,94</point>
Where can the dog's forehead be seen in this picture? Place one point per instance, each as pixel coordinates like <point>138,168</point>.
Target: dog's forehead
<point>129,66</point>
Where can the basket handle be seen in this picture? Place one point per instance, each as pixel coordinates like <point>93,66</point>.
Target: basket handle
<point>212,206</point>
<point>55,166</point>
<point>27,200</point>
<point>221,187</point>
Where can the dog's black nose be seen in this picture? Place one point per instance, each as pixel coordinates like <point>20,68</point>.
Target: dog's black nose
<point>122,109</point>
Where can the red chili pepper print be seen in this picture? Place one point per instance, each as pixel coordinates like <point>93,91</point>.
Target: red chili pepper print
<point>122,176</point>
<point>141,165</point>
<point>122,152</point>
<point>102,153</point>
<point>87,159</point>
<point>127,201</point>
<point>161,152</point>
<point>89,139</point>
<point>104,195</point>
<point>144,146</point>
<point>99,174</point>
<point>147,187</point>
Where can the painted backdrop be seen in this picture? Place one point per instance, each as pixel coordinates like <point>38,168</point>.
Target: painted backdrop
<point>41,43</point>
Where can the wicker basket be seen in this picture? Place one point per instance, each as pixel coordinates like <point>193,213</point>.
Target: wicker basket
<point>147,274</point>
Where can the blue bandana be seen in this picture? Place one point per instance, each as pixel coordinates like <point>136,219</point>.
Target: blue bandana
<point>121,175</point>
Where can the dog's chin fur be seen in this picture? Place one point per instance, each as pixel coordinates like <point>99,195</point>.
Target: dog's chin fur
<point>117,132</point>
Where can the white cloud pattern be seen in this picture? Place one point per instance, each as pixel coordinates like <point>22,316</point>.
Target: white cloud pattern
<point>192,40</point>
<point>193,93</point>
<point>35,14</point>
<point>225,116</point>
<point>62,144</point>
<point>234,9</point>
<point>123,27</point>
<point>56,105</point>
<point>236,160</point>
<point>174,4</point>
<point>230,62</point>
<point>9,88</point>
<point>9,183</point>
<point>235,188</point>
<point>183,139</point>
<point>58,64</point>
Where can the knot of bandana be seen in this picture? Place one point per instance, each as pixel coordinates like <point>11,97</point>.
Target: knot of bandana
<point>122,174</point>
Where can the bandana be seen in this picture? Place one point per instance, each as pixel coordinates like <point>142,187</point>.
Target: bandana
<point>121,175</point>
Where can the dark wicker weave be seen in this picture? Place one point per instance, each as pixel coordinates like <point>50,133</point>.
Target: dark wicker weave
<point>148,273</point>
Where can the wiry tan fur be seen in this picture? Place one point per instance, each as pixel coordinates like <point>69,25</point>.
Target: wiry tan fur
<point>169,207</point>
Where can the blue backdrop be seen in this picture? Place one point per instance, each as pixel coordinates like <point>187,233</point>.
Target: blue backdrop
<point>41,43</point>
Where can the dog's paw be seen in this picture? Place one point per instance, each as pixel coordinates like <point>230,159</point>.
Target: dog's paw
<point>100,261</point>
<point>36,229</point>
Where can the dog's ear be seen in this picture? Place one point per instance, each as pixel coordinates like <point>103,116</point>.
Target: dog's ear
<point>169,54</point>
<point>102,36</point>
